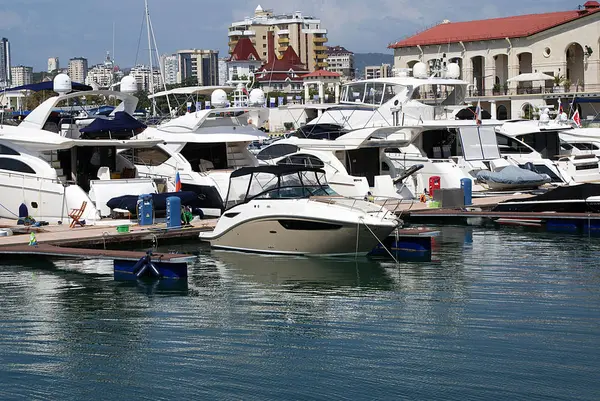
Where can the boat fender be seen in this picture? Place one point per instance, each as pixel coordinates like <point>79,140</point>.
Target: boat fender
<point>249,121</point>
<point>32,239</point>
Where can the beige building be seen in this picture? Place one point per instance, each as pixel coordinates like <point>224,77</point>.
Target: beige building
<point>493,54</point>
<point>341,61</point>
<point>145,80</point>
<point>378,71</point>
<point>78,69</point>
<point>53,64</point>
<point>268,30</point>
<point>21,75</point>
<point>201,66</point>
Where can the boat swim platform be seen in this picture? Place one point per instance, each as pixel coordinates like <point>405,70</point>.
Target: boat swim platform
<point>102,234</point>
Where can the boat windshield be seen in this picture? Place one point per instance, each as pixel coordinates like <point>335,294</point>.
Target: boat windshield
<point>372,93</point>
<point>276,182</point>
<point>447,95</point>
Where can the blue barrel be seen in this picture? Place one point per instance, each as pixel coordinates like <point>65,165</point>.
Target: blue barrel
<point>173,212</point>
<point>145,208</point>
<point>466,184</point>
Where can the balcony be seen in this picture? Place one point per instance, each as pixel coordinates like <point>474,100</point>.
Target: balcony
<point>283,40</point>
<point>235,33</point>
<point>321,56</point>
<point>322,64</point>
<point>282,49</point>
<point>315,31</point>
<point>319,39</point>
<point>283,32</point>
<point>320,48</point>
<point>232,43</point>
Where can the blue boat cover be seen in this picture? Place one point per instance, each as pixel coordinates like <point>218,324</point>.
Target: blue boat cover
<point>122,126</point>
<point>129,202</point>
<point>49,86</point>
<point>513,175</point>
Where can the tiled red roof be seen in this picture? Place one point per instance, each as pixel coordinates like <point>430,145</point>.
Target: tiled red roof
<point>278,69</point>
<point>243,50</point>
<point>322,73</point>
<point>497,28</point>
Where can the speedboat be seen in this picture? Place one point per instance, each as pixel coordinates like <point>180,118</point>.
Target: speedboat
<point>289,209</point>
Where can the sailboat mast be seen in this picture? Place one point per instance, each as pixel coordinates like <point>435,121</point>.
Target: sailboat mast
<point>150,57</point>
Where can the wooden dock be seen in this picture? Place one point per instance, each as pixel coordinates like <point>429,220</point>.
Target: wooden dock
<point>84,253</point>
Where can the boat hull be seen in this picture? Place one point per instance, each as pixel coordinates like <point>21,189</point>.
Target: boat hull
<point>301,237</point>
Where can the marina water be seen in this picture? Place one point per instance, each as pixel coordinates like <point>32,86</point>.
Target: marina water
<point>496,315</point>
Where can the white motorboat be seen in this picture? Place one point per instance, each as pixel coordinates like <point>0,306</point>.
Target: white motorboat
<point>203,147</point>
<point>291,210</point>
<point>52,173</point>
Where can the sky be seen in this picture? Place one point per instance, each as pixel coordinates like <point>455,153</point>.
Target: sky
<point>38,29</point>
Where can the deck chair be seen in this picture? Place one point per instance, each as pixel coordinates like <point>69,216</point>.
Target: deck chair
<point>75,215</point>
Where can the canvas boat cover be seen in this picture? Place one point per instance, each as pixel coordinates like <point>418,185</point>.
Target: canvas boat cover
<point>122,126</point>
<point>513,176</point>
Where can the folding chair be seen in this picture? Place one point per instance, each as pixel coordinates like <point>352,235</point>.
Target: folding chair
<point>75,215</point>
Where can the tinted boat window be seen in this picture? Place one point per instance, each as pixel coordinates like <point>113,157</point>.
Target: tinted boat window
<point>276,151</point>
<point>5,150</point>
<point>15,165</point>
<point>302,160</point>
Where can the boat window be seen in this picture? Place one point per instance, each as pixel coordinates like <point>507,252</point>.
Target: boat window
<point>276,151</point>
<point>5,150</point>
<point>15,165</point>
<point>440,94</point>
<point>147,157</point>
<point>302,160</point>
<point>373,93</point>
<point>356,92</point>
<point>509,145</point>
<point>205,156</point>
<point>308,225</point>
<point>390,91</point>
<point>585,146</point>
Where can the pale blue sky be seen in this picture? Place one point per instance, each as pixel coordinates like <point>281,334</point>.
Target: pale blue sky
<point>38,29</point>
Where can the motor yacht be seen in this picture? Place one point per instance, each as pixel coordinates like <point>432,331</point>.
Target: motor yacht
<point>53,172</point>
<point>203,147</point>
<point>292,210</point>
<point>355,163</point>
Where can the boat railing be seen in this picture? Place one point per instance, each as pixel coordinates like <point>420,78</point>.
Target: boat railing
<point>359,204</point>
<point>24,177</point>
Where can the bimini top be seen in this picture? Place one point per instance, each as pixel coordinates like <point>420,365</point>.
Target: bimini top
<point>48,86</point>
<point>275,170</point>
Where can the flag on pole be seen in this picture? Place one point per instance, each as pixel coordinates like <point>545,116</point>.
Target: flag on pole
<point>577,118</point>
<point>177,182</point>
<point>478,113</point>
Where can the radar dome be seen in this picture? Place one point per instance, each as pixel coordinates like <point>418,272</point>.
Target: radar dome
<point>420,70</point>
<point>129,84</point>
<point>453,70</point>
<point>218,98</point>
<point>257,97</point>
<point>62,84</point>
<point>564,117</point>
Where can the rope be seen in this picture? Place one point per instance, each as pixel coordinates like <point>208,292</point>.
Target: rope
<point>357,233</point>
<point>9,211</point>
<point>378,240</point>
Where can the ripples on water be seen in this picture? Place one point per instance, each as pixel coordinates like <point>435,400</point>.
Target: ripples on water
<point>496,315</point>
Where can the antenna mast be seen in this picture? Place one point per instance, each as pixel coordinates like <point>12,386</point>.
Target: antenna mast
<point>150,57</point>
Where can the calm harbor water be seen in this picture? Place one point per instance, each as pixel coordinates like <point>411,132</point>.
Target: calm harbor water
<point>496,315</point>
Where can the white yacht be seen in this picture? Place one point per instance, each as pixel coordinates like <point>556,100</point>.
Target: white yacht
<point>355,163</point>
<point>203,147</point>
<point>292,210</point>
<point>55,172</point>
<point>544,138</point>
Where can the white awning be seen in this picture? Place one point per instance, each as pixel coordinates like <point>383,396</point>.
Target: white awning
<point>531,76</point>
<point>192,90</point>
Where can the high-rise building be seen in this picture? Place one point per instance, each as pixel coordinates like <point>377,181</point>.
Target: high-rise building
<point>102,75</point>
<point>200,66</point>
<point>141,73</point>
<point>169,68</point>
<point>278,32</point>
<point>223,71</point>
<point>78,69</point>
<point>378,71</point>
<point>21,75</point>
<point>53,64</point>
<point>5,78</point>
<point>341,60</point>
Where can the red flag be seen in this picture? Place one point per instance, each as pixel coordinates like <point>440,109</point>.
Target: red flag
<point>576,118</point>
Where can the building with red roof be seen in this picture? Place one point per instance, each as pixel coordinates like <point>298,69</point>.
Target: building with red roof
<point>243,62</point>
<point>282,74</point>
<point>494,53</point>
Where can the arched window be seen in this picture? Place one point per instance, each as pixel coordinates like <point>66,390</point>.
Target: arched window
<point>502,112</point>
<point>15,165</point>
